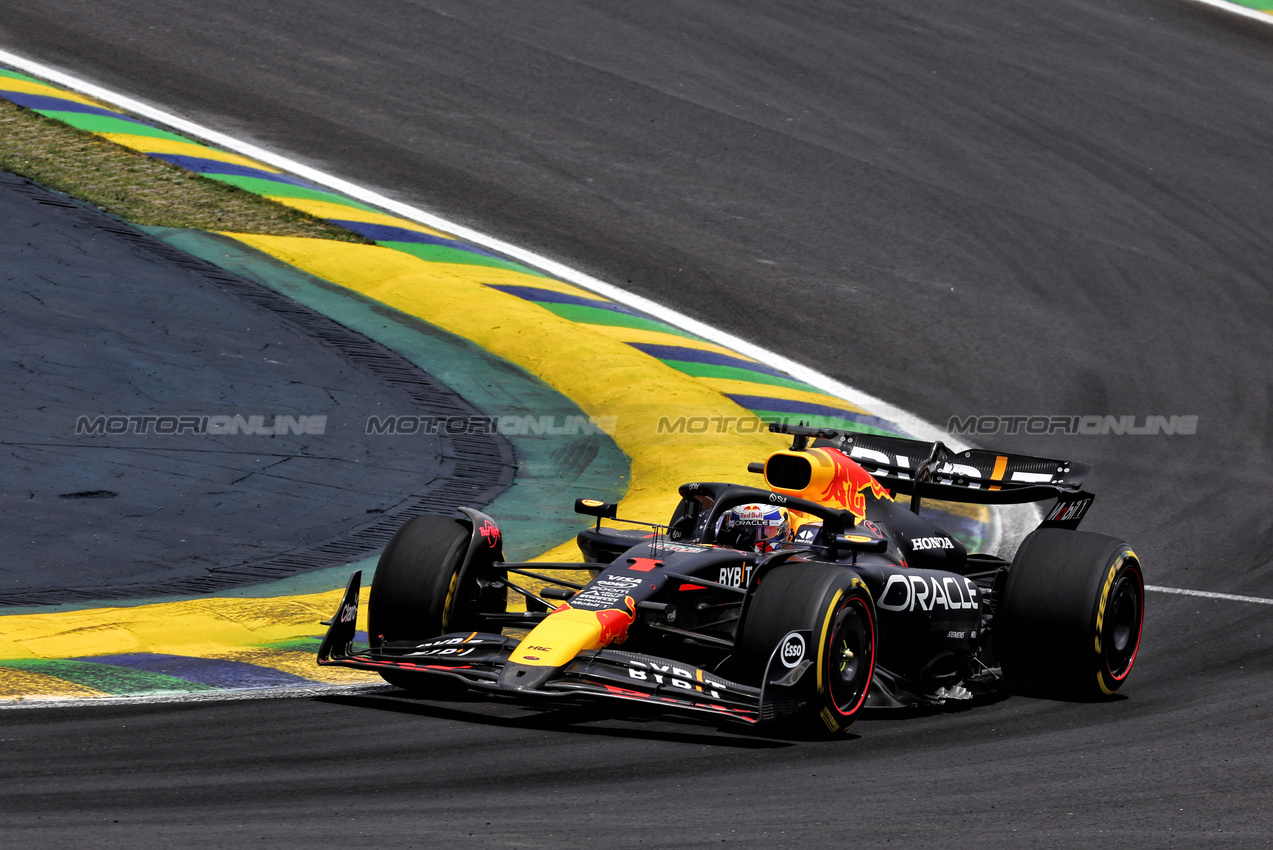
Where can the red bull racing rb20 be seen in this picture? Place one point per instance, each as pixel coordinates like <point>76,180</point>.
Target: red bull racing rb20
<point>799,603</point>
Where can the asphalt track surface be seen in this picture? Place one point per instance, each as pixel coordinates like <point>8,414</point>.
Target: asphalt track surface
<point>106,322</point>
<point>1006,208</point>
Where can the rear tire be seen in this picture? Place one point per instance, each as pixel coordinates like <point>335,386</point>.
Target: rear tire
<point>417,593</point>
<point>833,604</point>
<point>1069,623</point>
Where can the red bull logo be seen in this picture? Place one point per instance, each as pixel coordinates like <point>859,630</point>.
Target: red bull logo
<point>849,483</point>
<point>615,622</point>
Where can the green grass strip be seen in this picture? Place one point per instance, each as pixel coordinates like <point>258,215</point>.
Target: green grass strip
<point>133,186</point>
<point>443,254</point>
<point>109,678</point>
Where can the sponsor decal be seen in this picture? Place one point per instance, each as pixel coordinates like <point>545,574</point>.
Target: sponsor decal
<point>606,591</point>
<point>927,593</point>
<point>668,673</point>
<point>735,576</point>
<point>591,503</point>
<point>945,473</point>
<point>792,651</point>
<point>490,532</point>
<point>615,622</point>
<point>778,498</point>
<point>808,532</point>
<point>921,543</point>
<point>456,647</point>
<point>849,484</point>
<point>1071,511</point>
<point>1100,610</point>
<point>349,613</point>
<point>451,651</point>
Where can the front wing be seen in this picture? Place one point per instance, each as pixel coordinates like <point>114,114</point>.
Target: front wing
<point>478,658</point>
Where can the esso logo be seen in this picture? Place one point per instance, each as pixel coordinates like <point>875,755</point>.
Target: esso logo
<point>792,651</point>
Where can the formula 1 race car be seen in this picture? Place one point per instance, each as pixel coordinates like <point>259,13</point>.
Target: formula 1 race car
<point>803,602</point>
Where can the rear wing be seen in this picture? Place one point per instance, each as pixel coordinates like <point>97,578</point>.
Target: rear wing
<point>922,469</point>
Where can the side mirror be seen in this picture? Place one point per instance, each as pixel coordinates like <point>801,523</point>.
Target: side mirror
<point>592,507</point>
<point>860,542</point>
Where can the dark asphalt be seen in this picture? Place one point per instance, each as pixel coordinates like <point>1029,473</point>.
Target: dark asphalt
<point>108,330</point>
<point>1003,208</point>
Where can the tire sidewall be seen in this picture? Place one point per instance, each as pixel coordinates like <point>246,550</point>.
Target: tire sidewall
<point>1055,623</point>
<point>416,578</point>
<point>1112,667</point>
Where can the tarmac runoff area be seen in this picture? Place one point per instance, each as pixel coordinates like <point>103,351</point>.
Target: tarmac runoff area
<point>506,338</point>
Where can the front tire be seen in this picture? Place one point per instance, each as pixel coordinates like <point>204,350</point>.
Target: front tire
<point>1069,624</point>
<point>834,605</point>
<point>420,591</point>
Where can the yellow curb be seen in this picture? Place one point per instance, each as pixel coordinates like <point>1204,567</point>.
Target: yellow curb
<point>150,144</point>
<point>194,627</point>
<point>342,212</point>
<point>19,685</point>
<point>16,85</point>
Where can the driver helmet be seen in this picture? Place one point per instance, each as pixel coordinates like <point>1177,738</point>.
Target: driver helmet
<point>753,527</point>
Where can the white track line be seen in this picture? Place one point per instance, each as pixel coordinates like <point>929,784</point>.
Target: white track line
<point>1206,594</point>
<point>909,422</point>
<point>1234,8</point>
